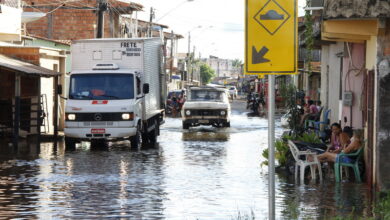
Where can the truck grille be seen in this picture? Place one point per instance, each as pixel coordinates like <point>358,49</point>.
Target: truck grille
<point>98,123</point>
<point>98,117</point>
<point>205,112</point>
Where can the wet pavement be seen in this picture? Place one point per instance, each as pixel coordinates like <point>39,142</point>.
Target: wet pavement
<point>201,173</point>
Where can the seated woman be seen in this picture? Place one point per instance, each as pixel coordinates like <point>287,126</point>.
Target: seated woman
<point>338,140</point>
<point>310,111</point>
<point>355,145</point>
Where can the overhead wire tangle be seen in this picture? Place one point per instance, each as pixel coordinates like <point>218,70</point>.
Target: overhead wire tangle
<point>60,4</point>
<point>112,8</point>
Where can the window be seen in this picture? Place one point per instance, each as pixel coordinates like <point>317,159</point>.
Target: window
<point>101,86</point>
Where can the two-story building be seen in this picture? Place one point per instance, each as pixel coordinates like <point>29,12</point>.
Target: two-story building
<point>355,76</point>
<point>28,80</point>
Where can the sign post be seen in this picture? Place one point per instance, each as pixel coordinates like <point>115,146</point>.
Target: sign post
<point>271,49</point>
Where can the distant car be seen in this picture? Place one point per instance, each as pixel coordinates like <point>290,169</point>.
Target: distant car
<point>206,106</point>
<point>233,92</point>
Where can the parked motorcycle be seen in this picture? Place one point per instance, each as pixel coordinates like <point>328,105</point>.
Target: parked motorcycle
<point>255,103</point>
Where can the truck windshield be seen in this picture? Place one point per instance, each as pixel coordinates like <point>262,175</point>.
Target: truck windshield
<point>208,95</point>
<point>101,86</point>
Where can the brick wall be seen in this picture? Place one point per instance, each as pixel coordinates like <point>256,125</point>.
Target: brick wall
<point>69,23</point>
<point>30,55</point>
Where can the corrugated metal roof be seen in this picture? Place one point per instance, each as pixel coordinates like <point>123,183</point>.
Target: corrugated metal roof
<point>25,68</point>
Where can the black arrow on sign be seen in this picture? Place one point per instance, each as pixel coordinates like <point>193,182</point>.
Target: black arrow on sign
<point>258,57</point>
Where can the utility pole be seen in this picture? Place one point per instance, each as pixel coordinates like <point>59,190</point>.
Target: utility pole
<point>171,61</point>
<point>193,56</point>
<point>189,56</point>
<point>152,15</point>
<point>102,7</point>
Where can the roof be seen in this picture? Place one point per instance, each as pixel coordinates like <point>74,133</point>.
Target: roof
<point>215,88</point>
<point>26,68</point>
<point>64,42</point>
<point>146,23</point>
<point>169,35</point>
<point>130,4</point>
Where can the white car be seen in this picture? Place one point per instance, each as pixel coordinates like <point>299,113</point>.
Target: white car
<point>206,106</point>
<point>233,92</point>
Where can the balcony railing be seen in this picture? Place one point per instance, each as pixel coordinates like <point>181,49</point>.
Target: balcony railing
<point>11,3</point>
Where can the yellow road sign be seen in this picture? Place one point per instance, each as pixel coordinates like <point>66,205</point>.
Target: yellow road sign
<point>271,37</point>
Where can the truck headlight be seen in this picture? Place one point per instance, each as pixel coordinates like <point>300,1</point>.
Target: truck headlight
<point>188,112</point>
<point>223,112</point>
<point>71,117</point>
<point>127,116</point>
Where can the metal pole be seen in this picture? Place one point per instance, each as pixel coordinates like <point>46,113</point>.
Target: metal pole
<point>271,147</point>
<point>189,42</point>
<point>171,59</point>
<point>55,113</point>
<point>16,111</point>
<point>100,24</point>
<point>189,76</point>
<point>151,22</point>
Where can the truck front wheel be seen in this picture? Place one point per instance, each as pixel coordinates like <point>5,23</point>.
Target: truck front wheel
<point>136,141</point>
<point>70,144</point>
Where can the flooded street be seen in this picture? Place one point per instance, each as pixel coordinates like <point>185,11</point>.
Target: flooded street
<point>200,173</point>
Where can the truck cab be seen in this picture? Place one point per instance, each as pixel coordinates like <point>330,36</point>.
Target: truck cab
<point>110,101</point>
<point>206,106</point>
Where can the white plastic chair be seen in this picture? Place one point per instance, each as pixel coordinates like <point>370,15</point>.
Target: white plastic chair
<point>303,163</point>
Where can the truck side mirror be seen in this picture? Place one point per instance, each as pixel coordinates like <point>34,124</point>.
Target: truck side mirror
<point>145,88</point>
<point>59,89</point>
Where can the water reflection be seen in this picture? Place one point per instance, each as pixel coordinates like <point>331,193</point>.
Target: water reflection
<point>323,201</point>
<point>206,135</point>
<point>200,173</point>
<point>117,183</point>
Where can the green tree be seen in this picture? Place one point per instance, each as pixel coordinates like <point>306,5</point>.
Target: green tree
<point>206,73</point>
<point>237,63</point>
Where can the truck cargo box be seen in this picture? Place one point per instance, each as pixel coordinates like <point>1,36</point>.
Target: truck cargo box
<point>141,56</point>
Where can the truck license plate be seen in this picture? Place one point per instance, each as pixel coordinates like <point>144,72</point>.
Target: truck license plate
<point>204,121</point>
<point>98,131</point>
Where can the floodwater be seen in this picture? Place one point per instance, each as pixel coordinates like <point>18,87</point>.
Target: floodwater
<point>201,173</point>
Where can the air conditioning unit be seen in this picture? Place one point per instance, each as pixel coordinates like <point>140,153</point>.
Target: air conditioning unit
<point>315,5</point>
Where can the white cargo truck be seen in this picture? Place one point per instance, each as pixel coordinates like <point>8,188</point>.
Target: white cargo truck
<point>115,91</point>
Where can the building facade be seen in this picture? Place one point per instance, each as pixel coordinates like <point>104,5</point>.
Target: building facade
<point>355,73</point>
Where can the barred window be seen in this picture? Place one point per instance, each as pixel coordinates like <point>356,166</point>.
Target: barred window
<point>11,3</point>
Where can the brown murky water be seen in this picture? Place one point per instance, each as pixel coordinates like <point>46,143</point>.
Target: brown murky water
<point>203,173</point>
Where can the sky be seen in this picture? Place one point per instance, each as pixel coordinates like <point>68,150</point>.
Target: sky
<point>216,26</point>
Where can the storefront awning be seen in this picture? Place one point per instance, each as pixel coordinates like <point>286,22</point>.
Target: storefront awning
<point>356,31</point>
<point>25,68</point>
